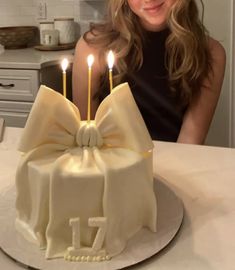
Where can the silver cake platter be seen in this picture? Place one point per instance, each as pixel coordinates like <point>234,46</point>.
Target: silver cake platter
<point>142,246</point>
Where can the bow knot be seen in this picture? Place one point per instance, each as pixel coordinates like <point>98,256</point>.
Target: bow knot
<point>88,135</point>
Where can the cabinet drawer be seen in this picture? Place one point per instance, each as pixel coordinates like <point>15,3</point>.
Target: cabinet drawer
<point>14,119</point>
<point>19,85</point>
<point>15,113</point>
<point>15,106</point>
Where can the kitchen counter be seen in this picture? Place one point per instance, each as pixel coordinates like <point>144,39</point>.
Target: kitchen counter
<point>31,58</point>
<point>203,177</point>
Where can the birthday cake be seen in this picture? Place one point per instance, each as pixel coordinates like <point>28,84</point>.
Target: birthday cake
<point>84,188</point>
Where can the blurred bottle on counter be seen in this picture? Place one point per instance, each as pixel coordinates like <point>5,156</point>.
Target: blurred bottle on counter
<point>50,37</point>
<point>42,27</point>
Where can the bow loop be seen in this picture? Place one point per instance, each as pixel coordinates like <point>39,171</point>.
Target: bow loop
<point>120,122</point>
<point>52,120</point>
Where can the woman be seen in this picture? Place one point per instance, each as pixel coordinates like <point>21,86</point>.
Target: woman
<point>175,70</point>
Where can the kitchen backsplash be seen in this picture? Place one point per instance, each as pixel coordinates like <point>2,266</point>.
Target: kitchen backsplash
<point>31,12</point>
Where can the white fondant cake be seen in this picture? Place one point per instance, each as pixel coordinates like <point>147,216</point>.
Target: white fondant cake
<point>84,189</point>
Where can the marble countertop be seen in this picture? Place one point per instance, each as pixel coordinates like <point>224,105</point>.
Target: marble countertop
<point>203,177</point>
<point>31,58</point>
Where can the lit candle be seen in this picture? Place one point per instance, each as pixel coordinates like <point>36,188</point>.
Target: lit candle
<point>64,66</point>
<point>90,61</point>
<point>110,65</point>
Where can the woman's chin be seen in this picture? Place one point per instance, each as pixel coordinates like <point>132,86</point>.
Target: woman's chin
<point>154,25</point>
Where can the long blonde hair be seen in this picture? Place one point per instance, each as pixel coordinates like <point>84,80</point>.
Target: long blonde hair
<point>188,58</point>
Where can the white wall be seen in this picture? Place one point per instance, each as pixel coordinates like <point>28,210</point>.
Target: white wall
<point>219,21</point>
<point>25,12</point>
<point>13,12</point>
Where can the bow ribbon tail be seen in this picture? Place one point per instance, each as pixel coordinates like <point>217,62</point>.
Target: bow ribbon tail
<point>75,179</point>
<point>32,197</point>
<point>127,178</point>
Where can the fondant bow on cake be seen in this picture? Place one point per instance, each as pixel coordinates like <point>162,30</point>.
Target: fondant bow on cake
<point>72,169</point>
<point>55,120</point>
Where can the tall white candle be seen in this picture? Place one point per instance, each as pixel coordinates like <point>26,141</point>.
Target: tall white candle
<point>90,61</point>
<point>64,66</point>
<point>110,65</point>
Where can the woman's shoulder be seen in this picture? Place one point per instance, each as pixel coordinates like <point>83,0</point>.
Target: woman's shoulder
<point>84,47</point>
<point>218,63</point>
<point>217,51</point>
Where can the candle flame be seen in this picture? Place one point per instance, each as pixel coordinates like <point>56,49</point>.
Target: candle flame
<point>64,64</point>
<point>110,59</point>
<point>90,60</point>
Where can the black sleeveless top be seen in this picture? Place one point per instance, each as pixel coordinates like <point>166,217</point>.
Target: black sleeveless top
<point>158,105</point>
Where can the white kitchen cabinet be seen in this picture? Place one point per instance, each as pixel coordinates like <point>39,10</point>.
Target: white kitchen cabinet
<point>21,74</point>
<point>17,84</point>
<point>16,117</point>
<point>18,89</point>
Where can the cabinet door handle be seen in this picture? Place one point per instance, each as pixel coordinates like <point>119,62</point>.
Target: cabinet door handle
<point>7,85</point>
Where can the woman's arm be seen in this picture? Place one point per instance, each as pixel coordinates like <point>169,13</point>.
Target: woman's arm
<point>80,78</point>
<point>200,112</point>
